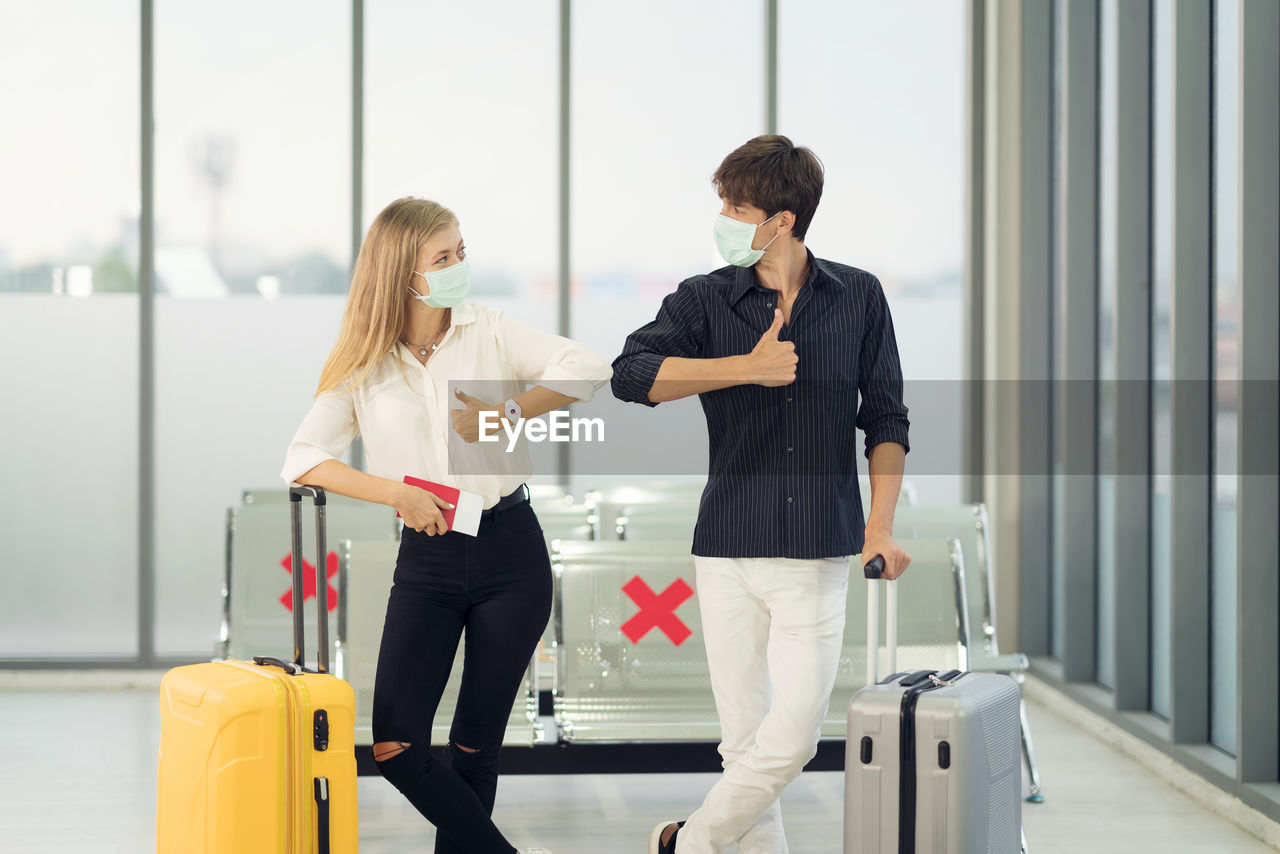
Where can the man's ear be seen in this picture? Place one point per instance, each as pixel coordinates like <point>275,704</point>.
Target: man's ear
<point>786,222</point>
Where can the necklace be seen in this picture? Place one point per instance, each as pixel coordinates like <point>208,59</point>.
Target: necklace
<point>422,348</point>
<point>431,347</point>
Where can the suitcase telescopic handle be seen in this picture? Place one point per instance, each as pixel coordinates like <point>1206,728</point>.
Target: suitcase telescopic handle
<point>317,496</point>
<point>874,571</point>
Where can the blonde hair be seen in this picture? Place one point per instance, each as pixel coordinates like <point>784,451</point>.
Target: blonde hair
<point>376,313</point>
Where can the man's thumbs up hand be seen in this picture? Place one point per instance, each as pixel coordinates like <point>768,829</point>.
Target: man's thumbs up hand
<point>772,332</point>
<point>773,362</point>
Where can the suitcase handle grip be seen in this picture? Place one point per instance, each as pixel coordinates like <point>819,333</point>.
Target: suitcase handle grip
<point>316,493</point>
<point>874,571</point>
<point>318,498</point>
<point>271,661</point>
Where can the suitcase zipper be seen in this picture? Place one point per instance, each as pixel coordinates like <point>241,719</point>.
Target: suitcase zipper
<point>947,679</point>
<point>919,683</point>
<point>291,771</point>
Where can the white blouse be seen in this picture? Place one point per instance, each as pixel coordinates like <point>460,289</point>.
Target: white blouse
<point>406,425</point>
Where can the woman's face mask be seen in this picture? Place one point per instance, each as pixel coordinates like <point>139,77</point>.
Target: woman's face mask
<point>446,287</point>
<point>733,241</point>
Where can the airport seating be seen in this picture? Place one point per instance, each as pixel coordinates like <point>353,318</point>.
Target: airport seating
<point>615,682</point>
<point>549,493</point>
<point>367,570</point>
<point>969,525</point>
<point>257,594</point>
<point>932,622</point>
<point>906,494</point>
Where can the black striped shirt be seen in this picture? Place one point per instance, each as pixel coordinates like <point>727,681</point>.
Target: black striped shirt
<point>783,478</point>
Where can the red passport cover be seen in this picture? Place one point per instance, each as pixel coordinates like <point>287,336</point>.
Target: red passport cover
<point>468,502</point>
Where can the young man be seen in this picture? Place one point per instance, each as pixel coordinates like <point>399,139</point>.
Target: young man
<point>779,346</point>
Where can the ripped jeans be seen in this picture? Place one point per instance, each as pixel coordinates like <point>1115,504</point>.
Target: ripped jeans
<point>497,586</point>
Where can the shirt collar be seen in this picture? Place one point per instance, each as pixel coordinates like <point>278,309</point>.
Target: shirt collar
<point>745,278</point>
<point>463,314</point>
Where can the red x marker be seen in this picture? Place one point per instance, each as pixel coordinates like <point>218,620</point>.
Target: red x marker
<point>657,610</point>
<point>309,580</point>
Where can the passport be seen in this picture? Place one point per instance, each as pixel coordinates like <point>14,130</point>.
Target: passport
<point>465,515</point>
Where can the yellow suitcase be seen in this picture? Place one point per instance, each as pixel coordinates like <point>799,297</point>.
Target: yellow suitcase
<point>259,756</point>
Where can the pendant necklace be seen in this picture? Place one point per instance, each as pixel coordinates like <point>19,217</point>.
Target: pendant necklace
<point>435,345</point>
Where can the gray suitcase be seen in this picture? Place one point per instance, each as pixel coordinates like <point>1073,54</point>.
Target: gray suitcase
<point>932,762</point>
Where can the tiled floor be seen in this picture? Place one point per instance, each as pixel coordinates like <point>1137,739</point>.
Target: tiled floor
<point>77,774</point>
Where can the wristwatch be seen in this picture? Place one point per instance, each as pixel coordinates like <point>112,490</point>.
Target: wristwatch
<point>511,410</point>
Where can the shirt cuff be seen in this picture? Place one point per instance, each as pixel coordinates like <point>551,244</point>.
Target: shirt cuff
<point>634,377</point>
<point>302,459</point>
<point>561,379</point>
<point>894,430</point>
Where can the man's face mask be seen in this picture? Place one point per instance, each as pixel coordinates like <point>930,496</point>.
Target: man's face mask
<point>733,241</point>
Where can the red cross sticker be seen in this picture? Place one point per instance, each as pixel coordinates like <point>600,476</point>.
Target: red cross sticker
<point>657,610</point>
<point>309,580</point>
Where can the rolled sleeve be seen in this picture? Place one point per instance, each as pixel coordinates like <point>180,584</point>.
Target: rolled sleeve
<point>634,375</point>
<point>552,361</point>
<point>325,434</point>
<point>882,415</point>
<point>677,331</point>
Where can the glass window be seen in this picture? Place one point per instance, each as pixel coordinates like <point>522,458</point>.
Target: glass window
<point>1226,182</point>
<point>69,313</point>
<point>1108,188</point>
<point>253,204</point>
<point>657,106</point>
<point>877,91</point>
<point>1161,353</point>
<point>461,105</point>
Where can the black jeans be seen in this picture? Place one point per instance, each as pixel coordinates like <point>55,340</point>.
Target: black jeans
<point>497,586</point>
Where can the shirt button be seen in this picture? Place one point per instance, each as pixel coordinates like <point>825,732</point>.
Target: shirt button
<point>789,499</point>
<point>788,400</point>
<point>789,449</point>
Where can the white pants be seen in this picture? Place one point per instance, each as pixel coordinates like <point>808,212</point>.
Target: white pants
<point>773,629</point>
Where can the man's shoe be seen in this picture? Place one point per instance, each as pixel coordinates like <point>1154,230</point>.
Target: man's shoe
<point>656,845</point>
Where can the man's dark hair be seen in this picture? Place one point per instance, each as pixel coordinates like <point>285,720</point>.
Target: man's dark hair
<point>773,174</point>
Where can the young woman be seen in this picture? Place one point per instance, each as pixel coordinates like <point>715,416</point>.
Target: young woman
<point>414,368</point>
